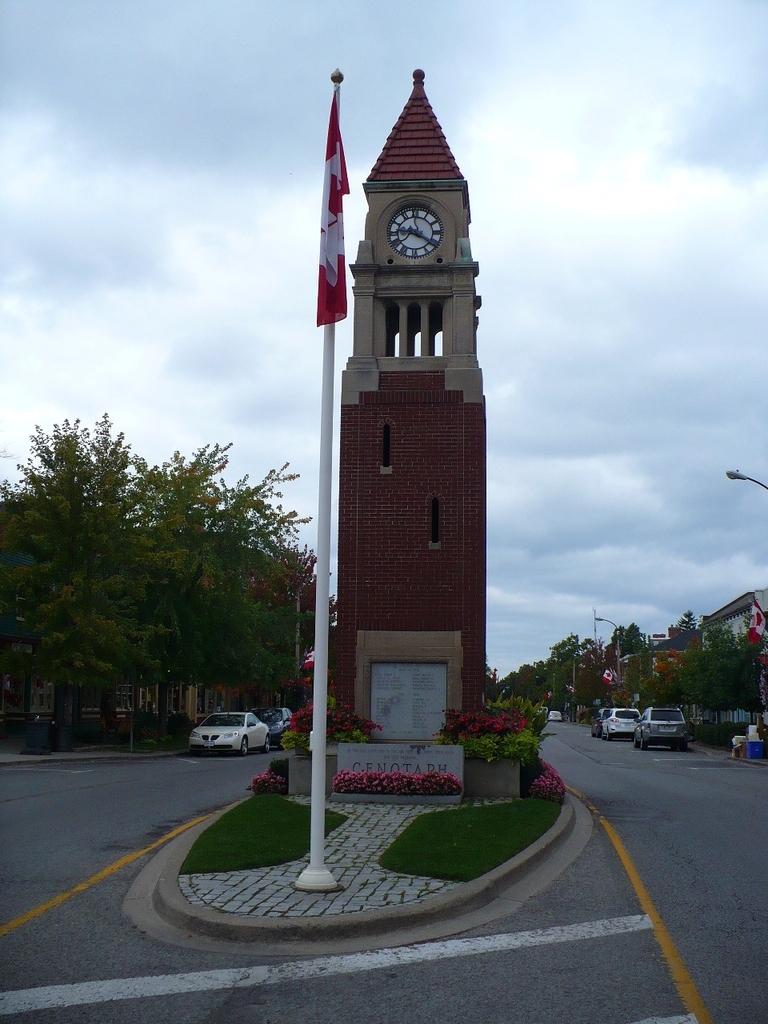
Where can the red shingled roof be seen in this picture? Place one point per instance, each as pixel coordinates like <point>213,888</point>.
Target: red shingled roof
<point>416,149</point>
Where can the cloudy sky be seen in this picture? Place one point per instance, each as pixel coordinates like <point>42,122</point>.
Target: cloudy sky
<point>160,189</point>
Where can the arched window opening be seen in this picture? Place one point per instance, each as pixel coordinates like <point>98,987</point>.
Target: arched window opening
<point>435,521</point>
<point>414,329</point>
<point>392,330</point>
<point>386,439</point>
<point>435,329</point>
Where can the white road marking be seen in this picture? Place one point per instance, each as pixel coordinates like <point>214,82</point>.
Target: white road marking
<point>687,1018</point>
<point>30,999</point>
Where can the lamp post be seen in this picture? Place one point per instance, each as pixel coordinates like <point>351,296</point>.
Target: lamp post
<point>734,474</point>
<point>618,646</point>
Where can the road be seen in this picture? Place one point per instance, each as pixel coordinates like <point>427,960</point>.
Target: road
<point>693,826</point>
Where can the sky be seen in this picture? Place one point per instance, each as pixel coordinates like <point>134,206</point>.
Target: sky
<point>161,168</point>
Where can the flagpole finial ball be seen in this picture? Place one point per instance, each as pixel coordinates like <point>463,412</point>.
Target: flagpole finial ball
<point>336,77</point>
<point>418,77</point>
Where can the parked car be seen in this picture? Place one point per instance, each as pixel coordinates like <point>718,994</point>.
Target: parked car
<point>233,731</point>
<point>597,722</point>
<point>276,723</point>
<point>661,726</point>
<point>620,722</point>
<point>554,716</point>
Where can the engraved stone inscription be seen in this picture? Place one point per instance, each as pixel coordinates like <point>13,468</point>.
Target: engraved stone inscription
<point>408,699</point>
<point>412,758</point>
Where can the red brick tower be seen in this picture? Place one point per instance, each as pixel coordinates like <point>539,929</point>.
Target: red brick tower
<point>411,559</point>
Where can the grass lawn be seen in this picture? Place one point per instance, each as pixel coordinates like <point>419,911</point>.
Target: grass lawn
<point>263,830</point>
<point>465,842</point>
<point>457,844</point>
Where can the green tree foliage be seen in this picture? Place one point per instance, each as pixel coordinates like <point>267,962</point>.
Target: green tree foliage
<point>722,672</point>
<point>164,572</point>
<point>687,621</point>
<point>218,560</point>
<point>75,512</point>
<point>631,639</point>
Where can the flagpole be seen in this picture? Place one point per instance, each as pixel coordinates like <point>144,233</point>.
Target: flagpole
<point>316,877</point>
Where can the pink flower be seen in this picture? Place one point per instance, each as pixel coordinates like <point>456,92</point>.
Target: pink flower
<point>268,782</point>
<point>397,783</point>
<point>548,786</point>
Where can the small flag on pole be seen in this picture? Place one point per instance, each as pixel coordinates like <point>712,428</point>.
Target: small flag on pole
<point>608,677</point>
<point>332,282</point>
<point>308,660</point>
<point>756,623</point>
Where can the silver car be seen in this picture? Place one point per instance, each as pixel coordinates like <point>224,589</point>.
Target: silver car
<point>233,731</point>
<point>663,727</point>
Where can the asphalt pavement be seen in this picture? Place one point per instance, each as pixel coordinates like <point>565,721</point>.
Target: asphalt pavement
<point>263,907</point>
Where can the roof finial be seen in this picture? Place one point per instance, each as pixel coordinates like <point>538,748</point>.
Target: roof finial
<point>418,77</point>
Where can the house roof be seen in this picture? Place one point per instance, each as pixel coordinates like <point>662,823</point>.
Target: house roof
<point>739,607</point>
<point>679,642</point>
<point>416,149</point>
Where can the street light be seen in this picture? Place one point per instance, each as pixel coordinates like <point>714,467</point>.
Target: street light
<point>618,645</point>
<point>734,474</point>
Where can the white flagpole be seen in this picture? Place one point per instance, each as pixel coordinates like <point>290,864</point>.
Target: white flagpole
<point>316,877</point>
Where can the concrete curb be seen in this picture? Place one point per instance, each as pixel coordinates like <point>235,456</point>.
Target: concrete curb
<point>158,884</point>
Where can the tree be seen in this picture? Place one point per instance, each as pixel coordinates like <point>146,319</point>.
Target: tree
<point>722,673</point>
<point>166,573</point>
<point>211,612</point>
<point>74,512</point>
<point>687,621</point>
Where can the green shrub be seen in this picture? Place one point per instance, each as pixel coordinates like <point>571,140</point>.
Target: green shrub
<point>280,767</point>
<point>719,734</point>
<point>528,774</point>
<point>178,723</point>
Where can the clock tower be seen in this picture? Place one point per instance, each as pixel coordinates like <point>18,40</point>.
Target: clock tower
<point>411,553</point>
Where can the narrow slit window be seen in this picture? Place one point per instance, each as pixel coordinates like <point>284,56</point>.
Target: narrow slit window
<point>386,441</point>
<point>435,521</point>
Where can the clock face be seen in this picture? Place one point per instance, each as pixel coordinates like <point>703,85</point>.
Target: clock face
<point>414,232</point>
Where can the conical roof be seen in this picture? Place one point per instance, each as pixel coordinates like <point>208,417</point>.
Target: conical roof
<point>416,149</point>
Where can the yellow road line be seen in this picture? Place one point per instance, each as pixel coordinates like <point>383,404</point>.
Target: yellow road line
<point>682,979</point>
<point>94,879</point>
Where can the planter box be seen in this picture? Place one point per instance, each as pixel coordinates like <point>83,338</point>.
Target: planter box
<point>491,779</point>
<point>392,798</point>
<point>300,773</point>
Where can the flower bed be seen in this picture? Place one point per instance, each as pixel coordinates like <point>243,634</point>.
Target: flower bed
<point>548,786</point>
<point>491,736</point>
<point>268,782</point>
<point>397,783</point>
<point>342,726</point>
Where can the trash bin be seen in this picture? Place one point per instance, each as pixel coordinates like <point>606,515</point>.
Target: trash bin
<point>62,738</point>
<point>38,737</point>
<point>755,750</point>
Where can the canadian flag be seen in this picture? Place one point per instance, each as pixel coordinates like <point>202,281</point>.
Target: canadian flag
<point>332,282</point>
<point>308,660</point>
<point>608,677</point>
<point>756,622</point>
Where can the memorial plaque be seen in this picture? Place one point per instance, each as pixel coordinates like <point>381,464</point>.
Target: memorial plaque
<point>408,700</point>
<point>411,758</point>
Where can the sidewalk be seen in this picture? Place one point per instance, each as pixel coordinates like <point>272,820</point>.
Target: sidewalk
<point>11,747</point>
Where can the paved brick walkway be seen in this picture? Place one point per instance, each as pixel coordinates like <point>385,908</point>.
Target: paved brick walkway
<point>351,854</point>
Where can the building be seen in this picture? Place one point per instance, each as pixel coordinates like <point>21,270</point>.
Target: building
<point>736,613</point>
<point>411,552</point>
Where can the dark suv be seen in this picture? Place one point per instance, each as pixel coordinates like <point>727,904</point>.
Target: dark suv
<point>662,727</point>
